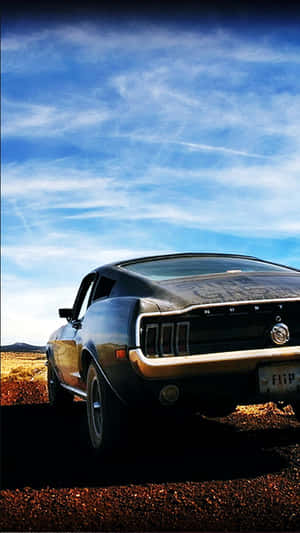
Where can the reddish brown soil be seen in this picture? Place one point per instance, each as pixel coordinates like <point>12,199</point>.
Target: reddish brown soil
<point>15,392</point>
<point>240,473</point>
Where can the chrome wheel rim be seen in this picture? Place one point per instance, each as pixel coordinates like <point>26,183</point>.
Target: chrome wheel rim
<point>51,383</point>
<point>96,407</point>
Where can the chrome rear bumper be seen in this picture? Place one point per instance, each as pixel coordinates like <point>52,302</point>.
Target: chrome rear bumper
<point>242,361</point>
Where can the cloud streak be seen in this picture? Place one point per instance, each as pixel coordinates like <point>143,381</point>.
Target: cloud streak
<point>91,39</point>
<point>22,119</point>
<point>235,199</point>
<point>196,146</point>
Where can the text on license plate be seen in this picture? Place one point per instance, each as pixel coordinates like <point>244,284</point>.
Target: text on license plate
<point>281,378</point>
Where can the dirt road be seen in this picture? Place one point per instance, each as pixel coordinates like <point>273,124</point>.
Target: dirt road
<point>239,473</point>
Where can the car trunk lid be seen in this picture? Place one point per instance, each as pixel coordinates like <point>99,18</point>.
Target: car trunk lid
<point>234,287</point>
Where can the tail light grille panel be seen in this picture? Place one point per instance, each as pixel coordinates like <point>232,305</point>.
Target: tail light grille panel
<point>166,339</point>
<point>217,328</point>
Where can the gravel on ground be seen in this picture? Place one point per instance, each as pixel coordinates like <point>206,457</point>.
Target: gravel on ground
<point>239,473</point>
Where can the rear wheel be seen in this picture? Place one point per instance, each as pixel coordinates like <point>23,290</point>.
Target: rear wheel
<point>105,413</point>
<point>58,397</point>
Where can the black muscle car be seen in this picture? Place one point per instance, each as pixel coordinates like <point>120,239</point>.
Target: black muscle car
<point>201,332</point>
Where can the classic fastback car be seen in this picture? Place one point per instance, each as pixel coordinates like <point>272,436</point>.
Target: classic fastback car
<point>202,332</point>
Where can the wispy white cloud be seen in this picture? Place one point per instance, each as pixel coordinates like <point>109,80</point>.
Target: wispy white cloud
<point>31,311</point>
<point>251,124</point>
<point>27,119</point>
<point>194,146</point>
<point>91,252</point>
<point>30,305</point>
<point>15,42</point>
<point>160,93</point>
<point>222,149</point>
<point>58,185</point>
<point>19,183</point>
<point>92,39</point>
<point>204,109</point>
<point>235,199</point>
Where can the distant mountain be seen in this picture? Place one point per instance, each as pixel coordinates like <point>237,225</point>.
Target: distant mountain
<point>22,347</point>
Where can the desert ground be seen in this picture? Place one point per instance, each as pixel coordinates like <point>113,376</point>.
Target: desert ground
<point>238,473</point>
<point>27,366</point>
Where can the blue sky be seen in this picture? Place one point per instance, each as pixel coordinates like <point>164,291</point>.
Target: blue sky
<point>134,137</point>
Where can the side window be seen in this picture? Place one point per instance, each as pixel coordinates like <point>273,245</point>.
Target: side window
<point>85,302</point>
<point>82,300</point>
<point>103,288</point>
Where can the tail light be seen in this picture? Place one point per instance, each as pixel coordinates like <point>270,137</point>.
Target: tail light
<point>151,340</point>
<point>166,339</point>
<point>182,338</point>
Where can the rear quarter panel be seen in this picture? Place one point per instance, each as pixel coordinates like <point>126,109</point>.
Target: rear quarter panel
<point>109,324</point>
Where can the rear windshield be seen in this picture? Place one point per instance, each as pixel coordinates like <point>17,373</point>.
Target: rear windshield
<point>179,267</point>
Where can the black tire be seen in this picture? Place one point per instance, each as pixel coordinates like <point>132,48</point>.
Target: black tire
<point>58,397</point>
<point>296,407</point>
<point>105,413</point>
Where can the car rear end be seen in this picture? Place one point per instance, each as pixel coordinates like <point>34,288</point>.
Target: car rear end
<point>211,355</point>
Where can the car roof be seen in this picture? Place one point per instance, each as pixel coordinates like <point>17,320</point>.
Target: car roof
<point>126,262</point>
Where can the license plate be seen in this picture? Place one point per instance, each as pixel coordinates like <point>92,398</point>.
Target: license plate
<point>281,378</point>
